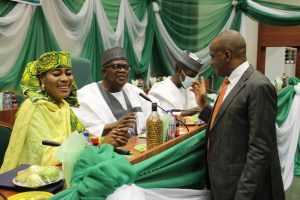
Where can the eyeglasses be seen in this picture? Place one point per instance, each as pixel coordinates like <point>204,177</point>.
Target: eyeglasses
<point>118,67</point>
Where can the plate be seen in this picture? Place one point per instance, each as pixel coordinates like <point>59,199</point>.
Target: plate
<point>191,121</point>
<point>25,185</point>
<point>140,147</point>
<point>34,195</point>
<point>192,124</point>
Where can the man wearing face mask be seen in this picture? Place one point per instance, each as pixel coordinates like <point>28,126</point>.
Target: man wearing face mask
<point>174,92</point>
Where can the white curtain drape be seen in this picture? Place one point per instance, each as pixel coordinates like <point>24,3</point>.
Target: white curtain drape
<point>136,29</point>
<point>272,11</point>
<point>110,37</point>
<point>13,30</point>
<point>287,140</point>
<point>70,30</point>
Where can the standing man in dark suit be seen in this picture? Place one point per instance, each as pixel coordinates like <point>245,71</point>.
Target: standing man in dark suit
<point>242,155</point>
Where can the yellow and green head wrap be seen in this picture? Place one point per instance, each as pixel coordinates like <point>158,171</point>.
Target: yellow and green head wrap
<point>30,83</point>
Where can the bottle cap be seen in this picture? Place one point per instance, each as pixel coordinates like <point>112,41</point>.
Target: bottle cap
<point>95,141</point>
<point>86,134</point>
<point>154,106</point>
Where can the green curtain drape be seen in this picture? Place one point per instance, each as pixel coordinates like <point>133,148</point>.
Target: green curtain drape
<point>140,68</point>
<point>93,48</point>
<point>39,40</point>
<point>6,7</point>
<point>285,97</point>
<point>271,18</point>
<point>74,5</point>
<point>192,24</point>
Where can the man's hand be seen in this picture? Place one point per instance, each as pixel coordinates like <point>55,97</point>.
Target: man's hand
<point>117,137</point>
<point>125,121</point>
<point>200,92</point>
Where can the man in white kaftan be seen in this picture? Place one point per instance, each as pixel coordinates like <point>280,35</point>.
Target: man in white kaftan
<point>113,103</point>
<point>94,112</point>
<point>170,96</point>
<point>174,92</point>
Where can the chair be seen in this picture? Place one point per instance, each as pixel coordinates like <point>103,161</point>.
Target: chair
<point>81,68</point>
<point>5,132</point>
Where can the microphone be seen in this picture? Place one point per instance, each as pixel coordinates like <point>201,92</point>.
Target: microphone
<point>148,99</point>
<point>122,151</point>
<point>50,143</point>
<point>174,110</point>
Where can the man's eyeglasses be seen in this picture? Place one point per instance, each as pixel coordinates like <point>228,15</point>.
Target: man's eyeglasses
<point>118,67</point>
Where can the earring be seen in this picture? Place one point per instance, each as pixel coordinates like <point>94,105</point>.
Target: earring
<point>43,87</point>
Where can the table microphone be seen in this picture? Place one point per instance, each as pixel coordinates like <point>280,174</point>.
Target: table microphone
<point>50,143</point>
<point>148,99</point>
<point>176,110</point>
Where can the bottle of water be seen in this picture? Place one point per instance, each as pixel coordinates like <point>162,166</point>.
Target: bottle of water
<point>171,128</point>
<point>7,104</point>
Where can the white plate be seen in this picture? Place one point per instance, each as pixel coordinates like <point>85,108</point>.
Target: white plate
<point>25,185</point>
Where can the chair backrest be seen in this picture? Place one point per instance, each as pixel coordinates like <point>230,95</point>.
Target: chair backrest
<point>5,132</point>
<point>82,71</point>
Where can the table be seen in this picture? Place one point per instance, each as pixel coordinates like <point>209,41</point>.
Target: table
<point>139,157</point>
<point>8,116</point>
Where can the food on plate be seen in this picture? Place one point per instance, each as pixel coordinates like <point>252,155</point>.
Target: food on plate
<point>35,176</point>
<point>34,180</point>
<point>49,174</point>
<point>191,119</point>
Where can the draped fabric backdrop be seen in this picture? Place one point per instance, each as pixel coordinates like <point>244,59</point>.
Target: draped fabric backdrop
<point>153,35</point>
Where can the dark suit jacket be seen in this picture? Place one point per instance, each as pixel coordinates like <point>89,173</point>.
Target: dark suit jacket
<point>243,161</point>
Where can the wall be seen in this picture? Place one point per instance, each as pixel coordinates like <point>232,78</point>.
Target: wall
<point>251,40</point>
<point>252,34</point>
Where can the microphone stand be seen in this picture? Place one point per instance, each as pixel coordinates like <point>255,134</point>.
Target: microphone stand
<point>148,99</point>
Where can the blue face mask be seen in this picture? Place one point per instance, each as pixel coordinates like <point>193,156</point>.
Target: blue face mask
<point>187,81</point>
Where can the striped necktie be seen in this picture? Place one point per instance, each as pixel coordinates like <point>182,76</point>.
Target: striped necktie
<point>219,101</point>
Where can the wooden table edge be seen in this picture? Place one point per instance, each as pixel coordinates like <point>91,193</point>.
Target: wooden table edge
<point>154,151</point>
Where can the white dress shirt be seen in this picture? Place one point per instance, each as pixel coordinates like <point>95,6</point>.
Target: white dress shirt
<point>235,76</point>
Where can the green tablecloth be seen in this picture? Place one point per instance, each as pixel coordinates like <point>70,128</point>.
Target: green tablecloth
<point>99,171</point>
